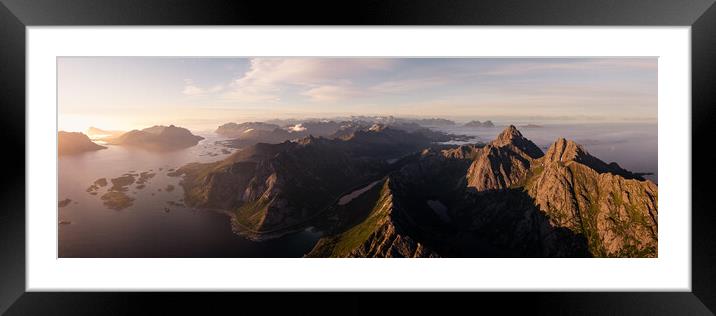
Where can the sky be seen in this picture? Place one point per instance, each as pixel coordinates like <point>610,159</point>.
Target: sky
<point>124,93</point>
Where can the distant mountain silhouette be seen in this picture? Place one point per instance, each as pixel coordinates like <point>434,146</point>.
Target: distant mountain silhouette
<point>487,123</point>
<point>432,122</point>
<point>250,133</point>
<point>234,130</point>
<point>157,137</point>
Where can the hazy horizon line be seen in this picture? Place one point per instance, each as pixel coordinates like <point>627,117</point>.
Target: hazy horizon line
<point>205,124</point>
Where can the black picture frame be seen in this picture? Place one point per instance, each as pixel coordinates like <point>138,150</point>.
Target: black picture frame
<point>15,15</point>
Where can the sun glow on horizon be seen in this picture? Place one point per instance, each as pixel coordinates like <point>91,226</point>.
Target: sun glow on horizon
<point>124,93</point>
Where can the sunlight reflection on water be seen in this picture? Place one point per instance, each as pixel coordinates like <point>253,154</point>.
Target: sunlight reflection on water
<point>157,224</point>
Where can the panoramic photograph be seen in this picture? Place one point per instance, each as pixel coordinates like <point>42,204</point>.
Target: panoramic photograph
<point>361,157</point>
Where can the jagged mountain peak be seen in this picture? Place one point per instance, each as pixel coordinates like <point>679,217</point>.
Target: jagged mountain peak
<point>614,209</point>
<point>565,150</point>
<point>512,136</point>
<point>509,133</point>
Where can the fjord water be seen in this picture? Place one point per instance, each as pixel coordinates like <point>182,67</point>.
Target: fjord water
<point>632,145</point>
<point>147,229</point>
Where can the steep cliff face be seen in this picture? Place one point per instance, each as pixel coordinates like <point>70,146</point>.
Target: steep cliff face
<point>617,215</point>
<point>566,150</point>
<point>498,168</point>
<point>511,137</point>
<point>223,184</point>
<point>612,208</point>
<point>506,223</point>
<point>503,163</point>
<point>272,187</point>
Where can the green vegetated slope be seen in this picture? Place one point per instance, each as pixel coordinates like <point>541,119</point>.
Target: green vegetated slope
<point>377,235</point>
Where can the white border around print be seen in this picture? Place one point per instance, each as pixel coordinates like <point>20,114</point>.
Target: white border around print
<point>671,271</point>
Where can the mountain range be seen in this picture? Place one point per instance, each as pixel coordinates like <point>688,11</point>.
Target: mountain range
<point>380,190</point>
<point>251,133</point>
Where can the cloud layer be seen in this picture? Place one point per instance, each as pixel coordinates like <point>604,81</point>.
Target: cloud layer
<point>221,88</point>
<point>334,80</point>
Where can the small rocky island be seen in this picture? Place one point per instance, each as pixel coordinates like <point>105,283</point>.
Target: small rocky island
<point>115,197</point>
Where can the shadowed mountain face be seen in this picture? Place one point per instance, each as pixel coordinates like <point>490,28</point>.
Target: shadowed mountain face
<point>271,188</point>
<point>157,138</point>
<point>377,234</point>
<point>502,199</point>
<point>73,143</point>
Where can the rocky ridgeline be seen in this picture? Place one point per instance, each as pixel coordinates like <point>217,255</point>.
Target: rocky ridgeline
<point>274,187</point>
<point>614,209</point>
<point>503,199</point>
<point>378,235</point>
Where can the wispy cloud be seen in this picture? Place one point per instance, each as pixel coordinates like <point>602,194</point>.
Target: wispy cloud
<point>316,78</point>
<point>319,80</point>
<point>193,90</point>
<point>466,86</point>
<point>332,93</point>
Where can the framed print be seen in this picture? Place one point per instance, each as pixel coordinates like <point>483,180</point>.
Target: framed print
<point>174,147</point>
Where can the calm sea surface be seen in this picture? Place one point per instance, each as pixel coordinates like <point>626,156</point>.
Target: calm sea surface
<point>147,229</point>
